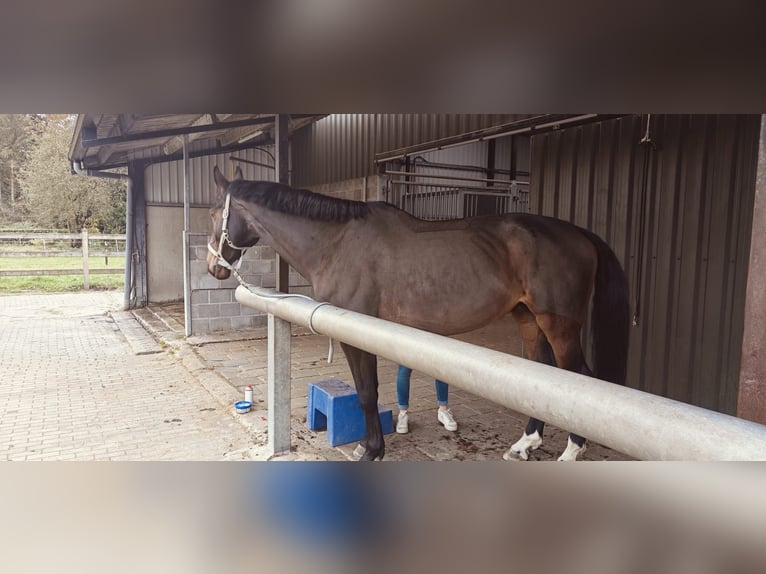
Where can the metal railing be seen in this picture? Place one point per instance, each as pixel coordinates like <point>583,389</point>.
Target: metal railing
<point>633,422</point>
<point>437,196</point>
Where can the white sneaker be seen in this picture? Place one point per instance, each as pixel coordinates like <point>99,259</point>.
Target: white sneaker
<point>445,417</point>
<point>403,423</point>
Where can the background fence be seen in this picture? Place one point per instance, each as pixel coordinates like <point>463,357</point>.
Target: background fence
<point>24,245</point>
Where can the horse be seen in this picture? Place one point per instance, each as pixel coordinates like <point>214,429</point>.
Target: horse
<point>446,277</point>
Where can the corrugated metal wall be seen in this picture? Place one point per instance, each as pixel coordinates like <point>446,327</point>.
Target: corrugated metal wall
<point>165,181</point>
<point>343,146</point>
<point>692,256</point>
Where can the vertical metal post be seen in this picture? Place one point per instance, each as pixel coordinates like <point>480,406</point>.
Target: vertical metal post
<point>279,347</point>
<point>85,255</point>
<point>491,161</point>
<point>751,400</point>
<point>185,235</point>
<point>281,145</point>
<point>279,382</point>
<point>129,222</point>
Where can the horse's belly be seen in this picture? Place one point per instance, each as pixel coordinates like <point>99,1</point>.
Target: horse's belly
<point>446,315</point>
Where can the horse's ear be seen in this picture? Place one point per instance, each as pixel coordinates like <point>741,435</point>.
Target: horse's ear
<point>220,181</point>
<point>238,173</point>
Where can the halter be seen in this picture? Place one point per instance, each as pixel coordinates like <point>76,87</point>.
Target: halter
<point>225,237</point>
<point>235,270</point>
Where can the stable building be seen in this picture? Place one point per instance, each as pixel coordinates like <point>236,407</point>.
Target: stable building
<point>678,197</point>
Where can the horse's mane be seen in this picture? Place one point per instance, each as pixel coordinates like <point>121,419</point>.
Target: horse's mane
<point>301,202</point>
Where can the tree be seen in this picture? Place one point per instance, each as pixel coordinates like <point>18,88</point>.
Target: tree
<point>18,135</point>
<point>57,199</point>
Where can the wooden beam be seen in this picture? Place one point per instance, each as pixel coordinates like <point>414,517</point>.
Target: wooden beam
<point>177,142</point>
<point>751,400</point>
<point>170,132</point>
<point>233,137</point>
<point>126,122</point>
<point>136,172</point>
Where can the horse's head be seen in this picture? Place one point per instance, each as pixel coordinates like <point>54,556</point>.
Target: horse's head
<point>230,235</point>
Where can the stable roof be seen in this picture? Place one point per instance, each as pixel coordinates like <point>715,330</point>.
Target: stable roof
<point>106,141</point>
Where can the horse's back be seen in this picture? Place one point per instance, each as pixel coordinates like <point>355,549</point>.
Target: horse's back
<point>456,275</point>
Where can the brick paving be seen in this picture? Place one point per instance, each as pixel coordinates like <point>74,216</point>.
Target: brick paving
<point>486,430</point>
<point>82,380</point>
<point>73,388</point>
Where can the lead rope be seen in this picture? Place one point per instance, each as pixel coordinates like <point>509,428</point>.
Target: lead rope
<point>235,269</point>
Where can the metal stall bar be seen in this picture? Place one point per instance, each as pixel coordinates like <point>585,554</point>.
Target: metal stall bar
<point>451,177</point>
<point>185,234</point>
<point>279,330</point>
<point>633,422</point>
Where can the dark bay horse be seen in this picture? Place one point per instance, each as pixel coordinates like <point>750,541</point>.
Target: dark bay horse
<point>446,277</point>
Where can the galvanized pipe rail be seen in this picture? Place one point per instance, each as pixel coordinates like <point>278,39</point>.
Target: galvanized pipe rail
<point>504,182</point>
<point>639,424</point>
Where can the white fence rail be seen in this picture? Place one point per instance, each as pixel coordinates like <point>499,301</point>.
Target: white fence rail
<point>85,238</point>
<point>60,236</point>
<point>639,424</point>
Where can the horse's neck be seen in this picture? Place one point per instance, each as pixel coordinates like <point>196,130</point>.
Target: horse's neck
<point>301,241</point>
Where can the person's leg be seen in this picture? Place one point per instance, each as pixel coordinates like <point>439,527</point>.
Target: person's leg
<point>403,399</point>
<point>403,387</point>
<point>444,414</point>
<point>442,393</point>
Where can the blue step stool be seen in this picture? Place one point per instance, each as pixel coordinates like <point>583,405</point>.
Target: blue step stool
<point>335,406</point>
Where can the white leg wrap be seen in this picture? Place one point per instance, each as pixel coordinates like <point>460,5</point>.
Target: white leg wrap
<point>520,449</point>
<point>572,451</point>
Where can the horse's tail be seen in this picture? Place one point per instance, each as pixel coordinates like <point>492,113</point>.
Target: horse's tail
<point>610,317</point>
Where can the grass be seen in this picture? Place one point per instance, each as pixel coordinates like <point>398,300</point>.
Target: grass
<point>59,283</point>
<point>30,263</point>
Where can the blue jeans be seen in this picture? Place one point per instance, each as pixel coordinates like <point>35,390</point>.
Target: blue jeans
<point>403,389</point>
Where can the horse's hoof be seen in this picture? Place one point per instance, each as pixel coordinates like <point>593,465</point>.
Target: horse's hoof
<point>373,454</point>
<point>359,451</point>
<point>521,448</point>
<point>572,451</point>
<point>514,456</point>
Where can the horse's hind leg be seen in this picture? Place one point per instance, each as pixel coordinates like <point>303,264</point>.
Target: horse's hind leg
<point>537,348</point>
<point>531,440</point>
<point>364,369</point>
<point>564,336</point>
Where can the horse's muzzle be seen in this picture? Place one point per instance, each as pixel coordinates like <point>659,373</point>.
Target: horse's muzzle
<point>219,272</point>
<point>216,270</point>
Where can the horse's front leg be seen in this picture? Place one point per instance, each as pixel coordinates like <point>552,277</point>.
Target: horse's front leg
<point>364,368</point>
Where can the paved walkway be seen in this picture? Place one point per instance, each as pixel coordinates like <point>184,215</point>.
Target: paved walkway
<point>83,380</point>
<point>73,388</point>
<point>486,430</point>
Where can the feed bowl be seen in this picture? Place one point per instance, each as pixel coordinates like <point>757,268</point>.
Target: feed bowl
<point>243,407</point>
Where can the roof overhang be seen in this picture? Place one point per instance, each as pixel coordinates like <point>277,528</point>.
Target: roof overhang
<point>530,125</point>
<point>106,141</point>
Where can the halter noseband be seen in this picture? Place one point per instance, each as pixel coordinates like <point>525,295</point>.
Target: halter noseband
<point>225,237</point>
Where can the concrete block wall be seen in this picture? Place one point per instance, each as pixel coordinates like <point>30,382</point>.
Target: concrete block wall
<point>213,305</point>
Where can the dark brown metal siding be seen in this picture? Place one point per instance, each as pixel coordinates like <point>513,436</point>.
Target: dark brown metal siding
<point>698,215</point>
<point>343,146</point>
